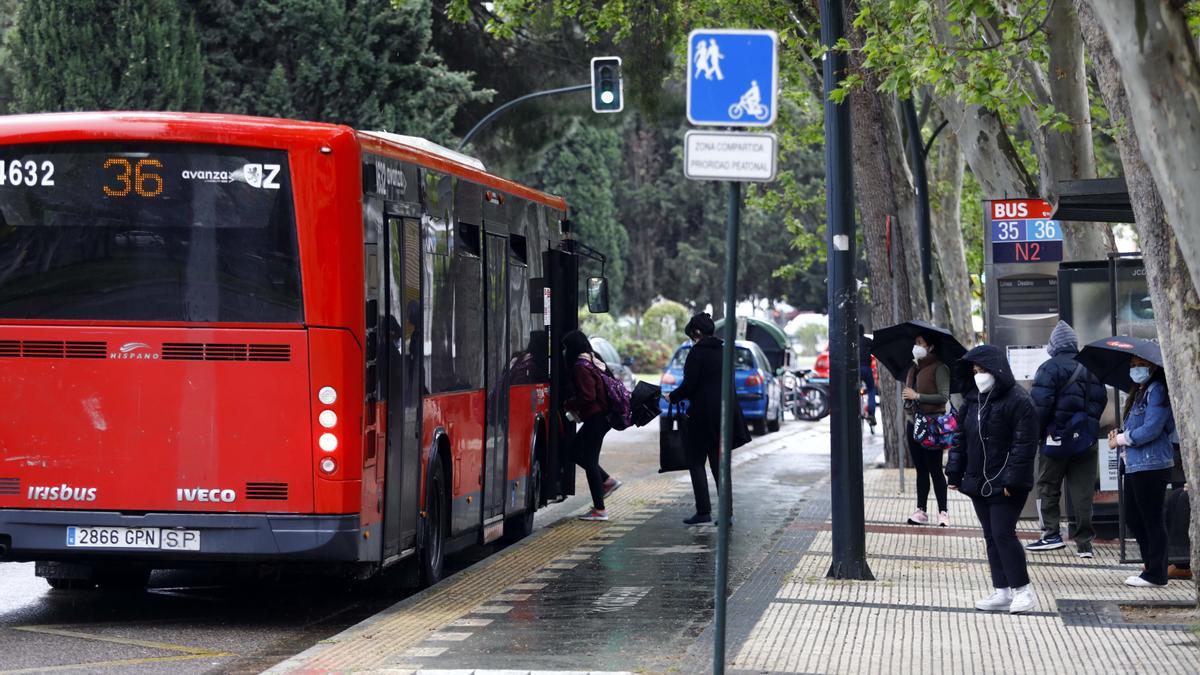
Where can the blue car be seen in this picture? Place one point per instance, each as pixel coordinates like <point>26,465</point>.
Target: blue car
<point>758,390</point>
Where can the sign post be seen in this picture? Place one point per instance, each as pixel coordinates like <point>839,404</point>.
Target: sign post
<point>733,82</point>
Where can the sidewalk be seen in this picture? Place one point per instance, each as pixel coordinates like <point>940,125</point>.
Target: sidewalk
<point>634,594</point>
<point>918,615</point>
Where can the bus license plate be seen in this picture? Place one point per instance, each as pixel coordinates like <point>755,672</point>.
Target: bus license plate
<point>133,537</point>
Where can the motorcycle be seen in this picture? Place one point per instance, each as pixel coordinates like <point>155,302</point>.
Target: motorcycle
<point>805,399</point>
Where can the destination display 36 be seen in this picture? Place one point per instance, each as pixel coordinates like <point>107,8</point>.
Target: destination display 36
<point>1021,231</point>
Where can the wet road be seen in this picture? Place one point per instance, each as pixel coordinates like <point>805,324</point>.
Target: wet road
<point>189,622</point>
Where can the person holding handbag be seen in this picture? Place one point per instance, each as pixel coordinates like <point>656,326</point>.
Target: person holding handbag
<point>991,462</point>
<point>1146,451</point>
<point>701,388</point>
<point>926,394</point>
<point>1069,400</point>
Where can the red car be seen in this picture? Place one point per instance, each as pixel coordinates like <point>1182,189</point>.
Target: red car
<point>821,369</point>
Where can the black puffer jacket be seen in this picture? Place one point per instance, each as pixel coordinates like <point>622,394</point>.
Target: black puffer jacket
<point>1056,406</point>
<point>701,388</point>
<point>998,431</point>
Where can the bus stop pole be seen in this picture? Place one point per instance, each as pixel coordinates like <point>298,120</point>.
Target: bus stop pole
<point>728,400</point>
<point>846,461</point>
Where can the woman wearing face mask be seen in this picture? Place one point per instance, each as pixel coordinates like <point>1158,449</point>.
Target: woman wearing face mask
<point>992,463</point>
<point>927,392</point>
<point>1145,445</point>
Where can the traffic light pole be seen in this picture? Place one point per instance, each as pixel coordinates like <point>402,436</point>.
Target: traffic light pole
<point>513,103</point>
<point>846,463</point>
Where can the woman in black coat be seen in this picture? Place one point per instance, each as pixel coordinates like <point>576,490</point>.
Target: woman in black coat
<point>701,388</point>
<point>991,462</point>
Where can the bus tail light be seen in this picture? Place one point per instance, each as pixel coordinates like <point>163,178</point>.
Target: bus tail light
<point>328,465</point>
<point>328,419</point>
<point>328,442</point>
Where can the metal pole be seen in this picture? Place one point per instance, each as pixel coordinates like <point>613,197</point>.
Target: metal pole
<point>916,157</point>
<point>728,400</point>
<point>846,463</point>
<point>527,97</point>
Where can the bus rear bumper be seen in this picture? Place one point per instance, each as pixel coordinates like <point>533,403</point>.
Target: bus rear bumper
<point>27,535</point>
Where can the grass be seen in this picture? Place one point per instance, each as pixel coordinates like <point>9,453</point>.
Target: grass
<point>648,378</point>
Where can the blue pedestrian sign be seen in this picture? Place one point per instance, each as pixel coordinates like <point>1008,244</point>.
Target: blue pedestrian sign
<point>733,77</point>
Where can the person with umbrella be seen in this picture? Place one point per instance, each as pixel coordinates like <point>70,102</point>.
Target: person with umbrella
<point>991,462</point>
<point>1145,442</point>
<point>919,353</point>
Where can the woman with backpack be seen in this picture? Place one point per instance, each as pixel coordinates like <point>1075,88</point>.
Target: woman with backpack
<point>589,403</point>
<point>701,388</point>
<point>991,462</point>
<point>1146,450</point>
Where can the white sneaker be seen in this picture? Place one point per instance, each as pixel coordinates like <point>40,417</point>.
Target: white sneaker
<point>1138,581</point>
<point>1023,600</point>
<point>998,601</point>
<point>919,517</point>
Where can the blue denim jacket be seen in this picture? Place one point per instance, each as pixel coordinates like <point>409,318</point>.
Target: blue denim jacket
<point>1149,430</point>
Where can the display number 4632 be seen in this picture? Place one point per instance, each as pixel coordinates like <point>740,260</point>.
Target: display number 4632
<point>27,172</point>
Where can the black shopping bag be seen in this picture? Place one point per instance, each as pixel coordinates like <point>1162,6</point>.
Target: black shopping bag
<point>672,453</point>
<point>644,403</point>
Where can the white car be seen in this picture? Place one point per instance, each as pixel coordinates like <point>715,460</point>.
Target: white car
<point>619,368</point>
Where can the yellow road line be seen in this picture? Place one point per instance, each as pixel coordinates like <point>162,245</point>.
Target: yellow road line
<point>108,664</point>
<point>55,630</point>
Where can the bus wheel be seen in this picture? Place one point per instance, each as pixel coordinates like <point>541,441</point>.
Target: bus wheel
<point>433,555</point>
<point>521,526</point>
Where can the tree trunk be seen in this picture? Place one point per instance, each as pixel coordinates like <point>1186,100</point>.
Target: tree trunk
<point>1160,70</point>
<point>875,192</point>
<point>952,290</point>
<point>1069,154</point>
<point>906,209</point>
<point>1174,296</point>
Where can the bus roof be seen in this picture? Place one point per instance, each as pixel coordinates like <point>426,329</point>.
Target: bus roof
<point>244,130</point>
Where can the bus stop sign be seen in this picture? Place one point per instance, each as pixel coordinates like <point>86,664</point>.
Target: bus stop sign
<point>733,77</point>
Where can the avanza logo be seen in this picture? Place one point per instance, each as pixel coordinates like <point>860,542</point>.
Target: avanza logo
<point>61,493</point>
<point>138,351</point>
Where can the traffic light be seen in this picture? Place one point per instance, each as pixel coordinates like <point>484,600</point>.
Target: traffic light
<point>606,84</point>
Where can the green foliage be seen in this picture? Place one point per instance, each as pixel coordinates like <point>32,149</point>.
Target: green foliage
<point>810,337</point>
<point>582,167</point>
<point>365,63</point>
<point>105,55</point>
<point>664,320</point>
<point>649,356</point>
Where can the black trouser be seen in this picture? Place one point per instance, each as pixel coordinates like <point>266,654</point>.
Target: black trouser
<point>700,481</point>
<point>1145,494</point>
<point>1079,473</point>
<point>1006,557</point>
<point>928,464</point>
<point>588,441</point>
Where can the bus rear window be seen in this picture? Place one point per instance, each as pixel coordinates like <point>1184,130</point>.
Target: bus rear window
<point>147,232</point>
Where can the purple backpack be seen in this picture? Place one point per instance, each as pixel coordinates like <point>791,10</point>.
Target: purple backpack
<point>620,414</point>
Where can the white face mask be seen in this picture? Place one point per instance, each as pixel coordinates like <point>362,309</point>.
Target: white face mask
<point>919,352</point>
<point>984,382</point>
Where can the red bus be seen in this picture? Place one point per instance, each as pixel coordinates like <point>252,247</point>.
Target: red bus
<point>231,339</point>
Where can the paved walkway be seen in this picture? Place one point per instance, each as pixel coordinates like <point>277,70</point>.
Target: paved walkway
<point>633,595</point>
<point>918,614</point>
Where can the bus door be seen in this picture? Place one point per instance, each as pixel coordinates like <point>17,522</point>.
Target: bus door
<point>405,379</point>
<point>495,384</point>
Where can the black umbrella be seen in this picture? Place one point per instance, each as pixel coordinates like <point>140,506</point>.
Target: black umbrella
<point>1108,359</point>
<point>893,345</point>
